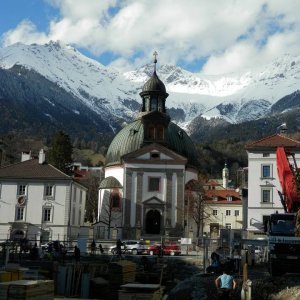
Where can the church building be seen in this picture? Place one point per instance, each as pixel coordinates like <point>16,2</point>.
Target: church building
<point>148,165</point>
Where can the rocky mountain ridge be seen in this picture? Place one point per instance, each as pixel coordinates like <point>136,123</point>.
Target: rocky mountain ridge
<point>106,98</point>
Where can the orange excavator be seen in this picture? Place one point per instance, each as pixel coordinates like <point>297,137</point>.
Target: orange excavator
<point>284,228</point>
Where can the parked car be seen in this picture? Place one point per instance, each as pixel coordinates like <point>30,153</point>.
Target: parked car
<point>129,246</point>
<point>52,246</point>
<point>168,249</point>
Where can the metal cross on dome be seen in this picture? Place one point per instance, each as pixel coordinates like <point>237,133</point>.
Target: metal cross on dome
<point>155,60</point>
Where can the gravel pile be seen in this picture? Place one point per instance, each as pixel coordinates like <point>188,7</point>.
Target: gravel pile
<point>201,286</point>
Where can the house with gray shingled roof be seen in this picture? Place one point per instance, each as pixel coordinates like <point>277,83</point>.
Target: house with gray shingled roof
<point>39,202</point>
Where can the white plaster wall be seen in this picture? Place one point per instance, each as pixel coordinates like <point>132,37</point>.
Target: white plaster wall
<point>255,217</point>
<point>164,156</point>
<point>117,172</point>
<point>147,156</point>
<point>8,202</point>
<point>34,208</point>
<point>78,202</point>
<point>190,175</point>
<point>162,192</point>
<point>154,166</point>
<point>256,209</point>
<point>221,218</point>
<point>133,199</point>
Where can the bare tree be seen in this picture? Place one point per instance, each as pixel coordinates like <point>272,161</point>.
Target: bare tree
<point>195,201</point>
<point>92,182</point>
<point>111,210</point>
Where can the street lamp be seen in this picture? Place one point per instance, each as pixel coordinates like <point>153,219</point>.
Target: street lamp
<point>222,220</point>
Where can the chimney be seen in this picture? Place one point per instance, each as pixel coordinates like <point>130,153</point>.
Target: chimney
<point>42,156</point>
<point>26,156</point>
<point>283,129</point>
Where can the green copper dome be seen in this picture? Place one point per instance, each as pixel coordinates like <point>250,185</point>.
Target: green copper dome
<point>131,138</point>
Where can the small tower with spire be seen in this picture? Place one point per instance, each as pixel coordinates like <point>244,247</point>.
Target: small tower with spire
<point>153,114</point>
<point>154,93</point>
<point>225,175</point>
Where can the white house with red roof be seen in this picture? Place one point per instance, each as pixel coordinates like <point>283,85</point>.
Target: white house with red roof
<point>39,202</point>
<point>223,208</point>
<point>263,183</point>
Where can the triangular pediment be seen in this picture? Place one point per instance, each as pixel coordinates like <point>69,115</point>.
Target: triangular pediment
<point>154,153</point>
<point>153,201</point>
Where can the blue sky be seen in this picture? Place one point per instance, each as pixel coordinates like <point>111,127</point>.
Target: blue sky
<point>212,37</point>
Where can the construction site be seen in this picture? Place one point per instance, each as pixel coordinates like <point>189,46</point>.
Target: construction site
<point>109,276</point>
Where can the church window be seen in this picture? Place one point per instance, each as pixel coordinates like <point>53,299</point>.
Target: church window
<point>154,183</point>
<point>115,200</point>
<point>160,132</point>
<point>153,104</point>
<point>151,132</point>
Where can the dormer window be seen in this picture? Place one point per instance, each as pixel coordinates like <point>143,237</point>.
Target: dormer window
<point>229,198</point>
<point>180,134</point>
<point>132,131</point>
<point>215,198</point>
<point>155,155</point>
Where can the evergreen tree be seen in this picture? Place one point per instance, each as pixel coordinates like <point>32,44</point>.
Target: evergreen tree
<point>60,154</point>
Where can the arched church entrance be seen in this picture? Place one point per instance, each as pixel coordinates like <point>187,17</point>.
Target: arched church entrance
<point>153,219</point>
<point>18,235</point>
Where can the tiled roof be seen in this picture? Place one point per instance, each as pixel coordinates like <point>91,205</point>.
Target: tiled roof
<point>222,195</point>
<point>212,182</point>
<point>79,174</point>
<point>30,169</point>
<point>274,141</point>
<point>109,183</point>
<point>236,202</point>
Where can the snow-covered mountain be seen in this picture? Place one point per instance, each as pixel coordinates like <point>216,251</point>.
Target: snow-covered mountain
<point>115,96</point>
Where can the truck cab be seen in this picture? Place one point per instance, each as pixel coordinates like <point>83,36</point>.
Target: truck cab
<point>284,247</point>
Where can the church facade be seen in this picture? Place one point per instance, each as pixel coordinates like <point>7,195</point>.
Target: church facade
<point>148,165</point>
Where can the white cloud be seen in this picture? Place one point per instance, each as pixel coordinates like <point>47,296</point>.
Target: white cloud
<point>232,34</point>
<point>26,33</point>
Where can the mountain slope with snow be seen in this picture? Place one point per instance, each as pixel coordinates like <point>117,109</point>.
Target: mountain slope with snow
<point>115,96</point>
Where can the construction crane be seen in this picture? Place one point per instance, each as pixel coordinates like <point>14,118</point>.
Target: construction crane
<point>283,228</point>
